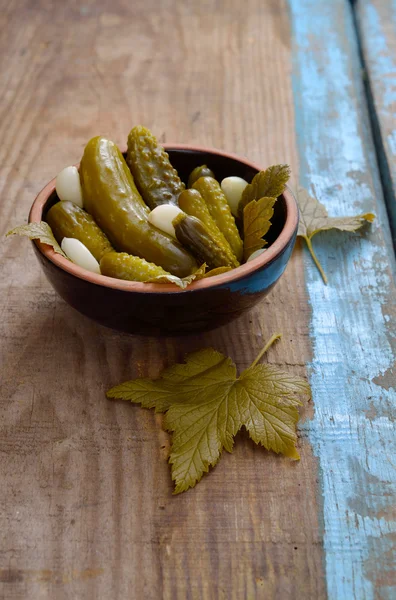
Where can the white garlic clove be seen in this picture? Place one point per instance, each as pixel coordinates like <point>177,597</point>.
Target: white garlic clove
<point>68,186</point>
<point>162,217</point>
<point>78,253</point>
<point>256,254</point>
<point>233,188</point>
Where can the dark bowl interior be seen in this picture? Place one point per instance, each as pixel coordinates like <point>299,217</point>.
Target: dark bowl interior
<point>157,309</point>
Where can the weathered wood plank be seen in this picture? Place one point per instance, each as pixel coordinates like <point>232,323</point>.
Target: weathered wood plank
<point>86,505</point>
<point>376,20</point>
<point>353,319</point>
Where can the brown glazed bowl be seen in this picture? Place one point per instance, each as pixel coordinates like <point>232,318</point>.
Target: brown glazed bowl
<point>154,308</point>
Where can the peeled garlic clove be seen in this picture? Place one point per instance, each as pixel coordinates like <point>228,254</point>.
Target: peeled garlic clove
<point>162,217</point>
<point>233,188</point>
<point>68,186</point>
<point>256,254</point>
<point>80,255</point>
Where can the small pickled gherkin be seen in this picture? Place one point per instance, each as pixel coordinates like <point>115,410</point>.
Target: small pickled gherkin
<point>195,236</point>
<point>157,180</point>
<point>219,208</point>
<point>201,171</point>
<point>111,197</point>
<point>67,220</point>
<point>192,203</point>
<point>121,265</point>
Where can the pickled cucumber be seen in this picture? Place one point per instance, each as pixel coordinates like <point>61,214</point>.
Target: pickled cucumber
<point>111,197</point>
<point>155,177</point>
<point>195,236</point>
<point>201,171</point>
<point>67,220</point>
<point>219,208</point>
<point>121,265</point>
<point>192,203</point>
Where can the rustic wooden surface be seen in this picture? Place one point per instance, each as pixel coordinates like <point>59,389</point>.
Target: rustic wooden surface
<point>352,323</point>
<point>86,505</point>
<point>376,20</point>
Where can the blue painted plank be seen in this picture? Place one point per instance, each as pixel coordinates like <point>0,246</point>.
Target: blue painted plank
<point>376,21</point>
<point>352,324</point>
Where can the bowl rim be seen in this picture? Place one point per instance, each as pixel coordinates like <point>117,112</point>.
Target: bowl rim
<point>276,248</point>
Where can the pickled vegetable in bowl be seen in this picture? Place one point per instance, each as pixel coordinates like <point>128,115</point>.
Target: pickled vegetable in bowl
<point>134,219</point>
<point>190,233</point>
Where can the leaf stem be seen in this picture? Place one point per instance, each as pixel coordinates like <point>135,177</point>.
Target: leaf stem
<point>315,258</point>
<point>273,338</point>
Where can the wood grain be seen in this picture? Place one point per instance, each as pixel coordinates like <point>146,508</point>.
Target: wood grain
<point>86,505</point>
<point>376,21</point>
<point>352,327</point>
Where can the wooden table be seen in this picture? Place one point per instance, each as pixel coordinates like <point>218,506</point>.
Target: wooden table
<point>86,505</point>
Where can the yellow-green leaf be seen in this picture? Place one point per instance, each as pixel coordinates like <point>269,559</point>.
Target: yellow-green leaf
<point>181,283</point>
<point>270,407</point>
<point>217,271</point>
<point>269,183</point>
<point>206,404</point>
<point>314,218</point>
<point>256,223</point>
<point>38,231</point>
<point>148,393</point>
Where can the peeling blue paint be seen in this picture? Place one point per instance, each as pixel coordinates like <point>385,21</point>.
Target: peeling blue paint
<point>349,326</point>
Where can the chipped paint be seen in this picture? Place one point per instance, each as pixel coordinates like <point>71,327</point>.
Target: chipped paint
<point>386,580</point>
<point>387,380</point>
<point>353,439</point>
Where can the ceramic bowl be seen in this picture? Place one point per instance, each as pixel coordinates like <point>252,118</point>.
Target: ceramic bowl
<point>156,309</point>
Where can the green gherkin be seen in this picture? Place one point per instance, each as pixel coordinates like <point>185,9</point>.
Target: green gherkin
<point>69,220</point>
<point>121,265</point>
<point>111,197</point>
<point>219,208</point>
<point>195,236</point>
<point>192,203</point>
<point>201,171</point>
<point>155,177</point>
